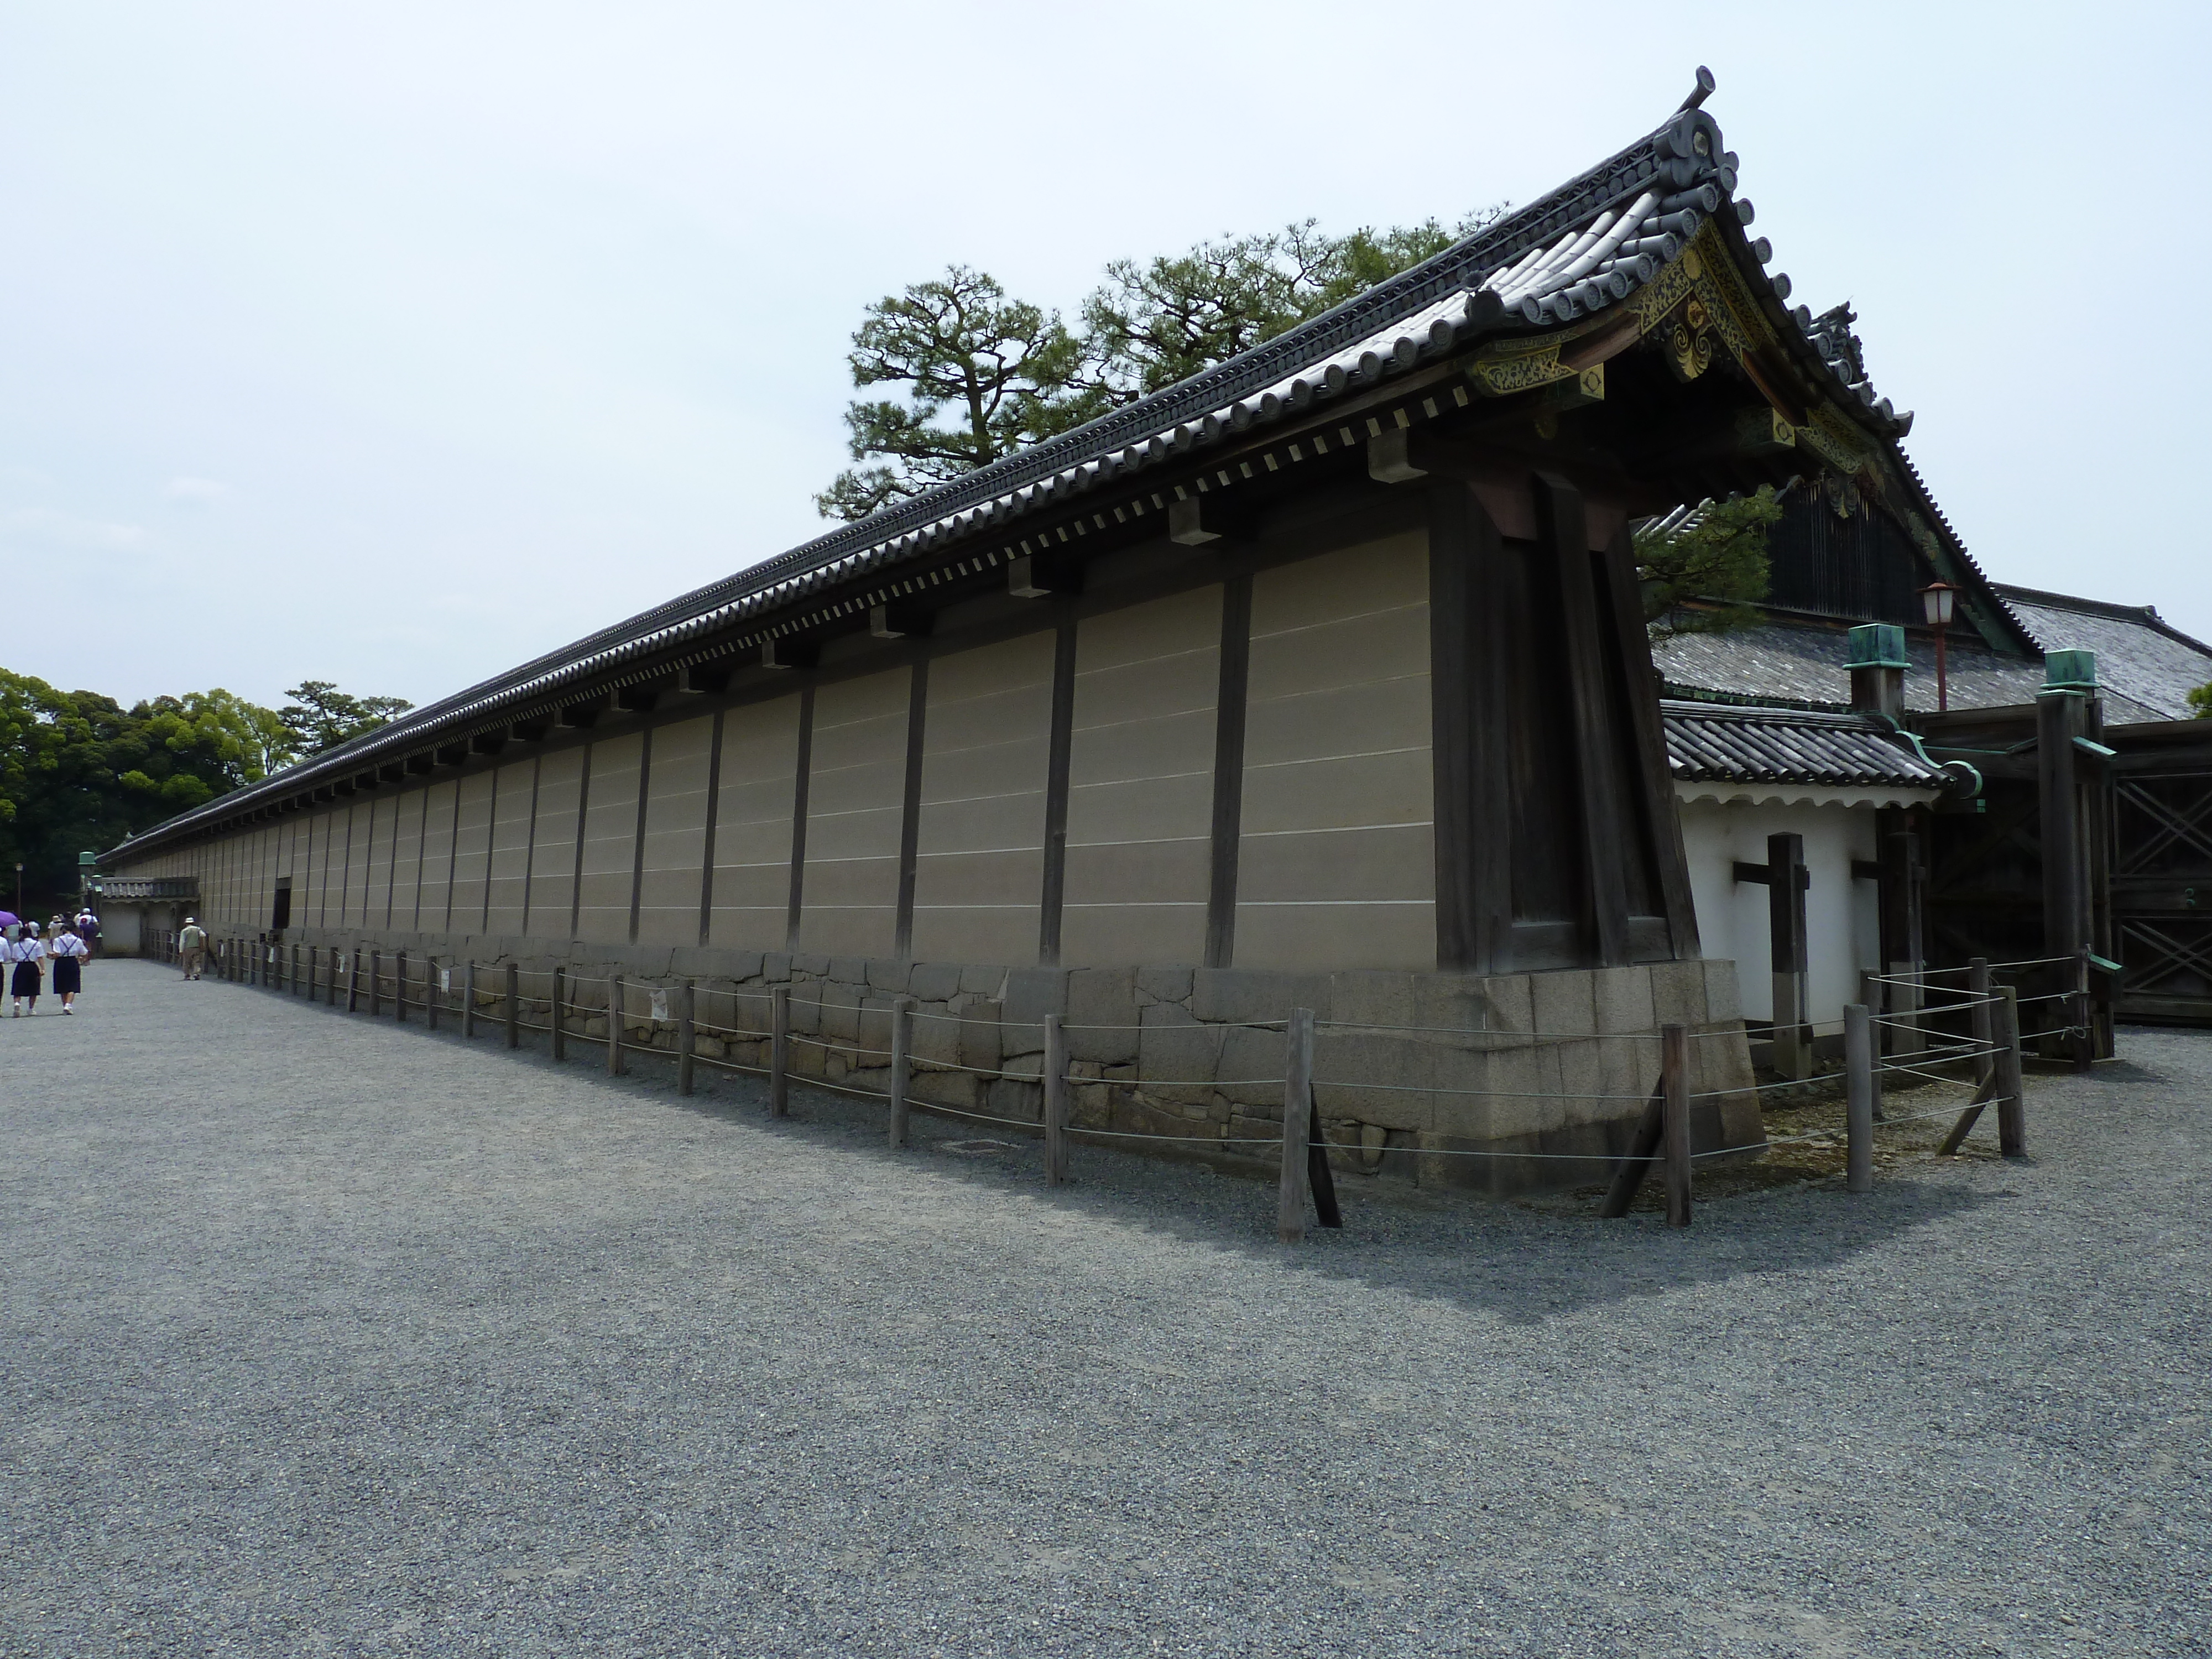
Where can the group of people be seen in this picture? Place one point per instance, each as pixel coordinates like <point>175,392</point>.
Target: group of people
<point>67,945</point>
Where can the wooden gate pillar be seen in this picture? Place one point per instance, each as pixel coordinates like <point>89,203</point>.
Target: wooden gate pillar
<point>1786,881</point>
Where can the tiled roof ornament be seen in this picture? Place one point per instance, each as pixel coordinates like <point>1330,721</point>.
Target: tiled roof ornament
<point>1698,93</point>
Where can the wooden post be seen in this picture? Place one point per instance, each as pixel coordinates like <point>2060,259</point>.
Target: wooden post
<point>2082,1040</point>
<point>2059,717</point>
<point>560,1021</point>
<point>1870,995</point>
<point>1298,1127</point>
<point>469,1000</point>
<point>399,985</point>
<point>375,983</point>
<point>687,1002</point>
<point>314,970</point>
<point>2012,1110</point>
<point>1984,1021</point>
<point>1785,913</point>
<point>1674,1079</point>
<point>1858,1109</point>
<point>1055,1101</point>
<point>292,973</point>
<point>613,1024</point>
<point>430,992</point>
<point>1642,1146</point>
<point>902,1064</point>
<point>353,981</point>
<point>779,1052</point>
<point>514,1006</point>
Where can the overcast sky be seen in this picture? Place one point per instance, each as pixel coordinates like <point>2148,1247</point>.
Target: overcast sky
<point>395,343</point>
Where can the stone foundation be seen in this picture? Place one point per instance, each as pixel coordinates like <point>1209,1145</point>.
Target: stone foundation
<point>1411,1068</point>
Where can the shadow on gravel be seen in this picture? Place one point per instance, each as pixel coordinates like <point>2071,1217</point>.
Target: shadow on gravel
<point>1524,1265</point>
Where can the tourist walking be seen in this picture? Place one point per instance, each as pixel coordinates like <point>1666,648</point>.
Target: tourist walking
<point>69,951</point>
<point>28,976</point>
<point>88,929</point>
<point>193,943</point>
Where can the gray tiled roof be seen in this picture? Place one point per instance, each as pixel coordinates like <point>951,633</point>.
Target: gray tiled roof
<point>1706,743</point>
<point>2140,657</point>
<point>2145,672</point>
<point>1581,248</point>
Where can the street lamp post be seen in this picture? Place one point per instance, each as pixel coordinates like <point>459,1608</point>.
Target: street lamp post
<point>1937,599</point>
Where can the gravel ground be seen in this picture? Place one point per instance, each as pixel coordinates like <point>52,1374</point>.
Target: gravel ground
<point>321,1337</point>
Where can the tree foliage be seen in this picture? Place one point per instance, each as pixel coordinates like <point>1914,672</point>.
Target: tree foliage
<point>984,375</point>
<point>320,716</point>
<point>2200,702</point>
<point>80,773</point>
<point>1709,576</point>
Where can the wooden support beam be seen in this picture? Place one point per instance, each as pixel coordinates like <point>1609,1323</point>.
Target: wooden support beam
<point>1473,817</point>
<point>786,652</point>
<point>1041,575</point>
<point>1786,886</point>
<point>1389,457</point>
<point>638,699</point>
<point>487,743</point>
<point>1229,710</point>
<point>1655,819</point>
<point>900,619</point>
<point>1198,520</point>
<point>1563,532</point>
<point>584,712</point>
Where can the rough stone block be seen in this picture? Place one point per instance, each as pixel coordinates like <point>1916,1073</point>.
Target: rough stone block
<point>1176,1053</point>
<point>809,965</point>
<point>1033,993</point>
<point>849,970</point>
<point>1624,999</point>
<point>1512,1000</point>
<point>1564,1002</point>
<point>954,1088</point>
<point>1165,984</point>
<point>1022,1102</point>
<point>776,966</point>
<point>983,979</point>
<point>806,1008</point>
<point>1252,995</point>
<point>1102,1015</point>
<point>935,981</point>
<point>937,1035</point>
<point>885,974</point>
<point>980,1034</point>
<point>1722,999</point>
<point>1678,992</point>
<point>1251,1066</point>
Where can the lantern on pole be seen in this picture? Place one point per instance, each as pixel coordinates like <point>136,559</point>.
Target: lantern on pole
<point>1938,598</point>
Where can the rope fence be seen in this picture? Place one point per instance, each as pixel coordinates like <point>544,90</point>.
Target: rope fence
<point>1660,1139</point>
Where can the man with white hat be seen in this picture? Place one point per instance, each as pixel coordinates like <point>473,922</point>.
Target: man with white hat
<point>192,942</point>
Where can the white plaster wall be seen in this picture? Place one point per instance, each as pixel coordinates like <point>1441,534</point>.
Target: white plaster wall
<point>1842,918</point>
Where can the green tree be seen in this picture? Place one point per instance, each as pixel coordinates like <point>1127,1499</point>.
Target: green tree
<point>2200,702</point>
<point>983,375</point>
<point>79,772</point>
<point>986,375</point>
<point>1149,325</point>
<point>1707,574</point>
<point>320,716</point>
